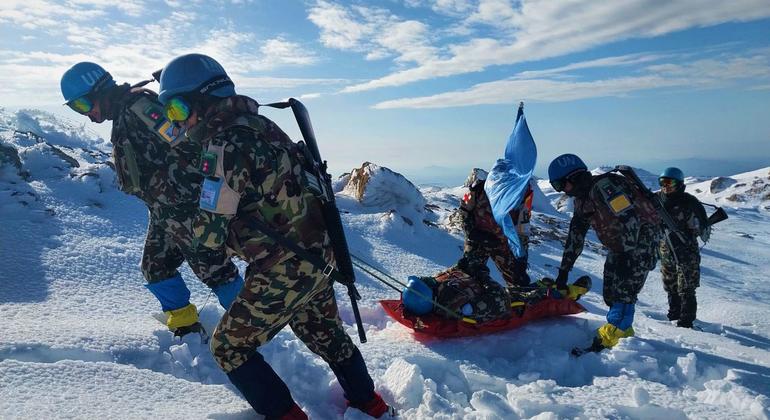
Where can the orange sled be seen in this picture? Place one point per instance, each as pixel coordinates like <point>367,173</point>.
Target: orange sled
<point>438,326</point>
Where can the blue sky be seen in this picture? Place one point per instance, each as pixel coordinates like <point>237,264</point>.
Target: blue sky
<point>429,87</point>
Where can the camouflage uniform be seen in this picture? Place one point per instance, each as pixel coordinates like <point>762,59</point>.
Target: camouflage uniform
<point>262,176</point>
<point>456,288</point>
<point>167,180</point>
<point>680,282</point>
<point>628,226</point>
<point>627,229</point>
<point>485,239</point>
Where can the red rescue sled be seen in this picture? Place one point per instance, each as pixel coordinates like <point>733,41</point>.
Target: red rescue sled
<point>438,326</point>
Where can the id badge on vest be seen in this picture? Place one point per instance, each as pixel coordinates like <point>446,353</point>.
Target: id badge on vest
<point>210,193</point>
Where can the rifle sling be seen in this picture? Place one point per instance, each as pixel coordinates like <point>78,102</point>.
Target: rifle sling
<point>327,269</point>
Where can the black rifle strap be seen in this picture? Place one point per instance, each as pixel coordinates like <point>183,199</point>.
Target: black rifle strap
<point>318,261</point>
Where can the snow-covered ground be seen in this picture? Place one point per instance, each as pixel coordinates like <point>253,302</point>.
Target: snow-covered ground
<point>78,340</point>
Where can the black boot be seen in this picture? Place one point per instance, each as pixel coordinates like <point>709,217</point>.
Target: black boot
<point>354,378</point>
<point>674,306</point>
<point>263,389</point>
<point>689,309</point>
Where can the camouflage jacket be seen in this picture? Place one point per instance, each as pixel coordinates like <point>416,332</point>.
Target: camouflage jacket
<point>260,170</point>
<point>688,214</point>
<point>478,222</point>
<point>145,163</point>
<point>615,209</point>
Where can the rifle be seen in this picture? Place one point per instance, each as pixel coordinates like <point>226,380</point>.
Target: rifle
<point>329,209</point>
<point>719,215</point>
<point>668,222</point>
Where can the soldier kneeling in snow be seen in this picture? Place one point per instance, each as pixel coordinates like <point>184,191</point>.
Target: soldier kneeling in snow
<point>484,239</point>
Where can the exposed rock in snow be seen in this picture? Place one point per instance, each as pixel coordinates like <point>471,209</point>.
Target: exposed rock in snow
<point>746,190</point>
<point>382,189</point>
<point>339,184</point>
<point>36,146</point>
<point>476,173</point>
<point>720,183</point>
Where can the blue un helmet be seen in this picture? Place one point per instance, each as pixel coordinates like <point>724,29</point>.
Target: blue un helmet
<point>194,73</point>
<point>417,296</point>
<point>671,180</point>
<point>672,173</point>
<point>562,167</point>
<point>84,78</point>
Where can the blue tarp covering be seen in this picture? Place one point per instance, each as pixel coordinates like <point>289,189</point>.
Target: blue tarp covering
<point>507,182</point>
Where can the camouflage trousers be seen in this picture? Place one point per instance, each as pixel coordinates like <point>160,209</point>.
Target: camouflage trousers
<point>292,292</point>
<point>626,272</point>
<point>680,284</point>
<point>476,255</point>
<point>487,299</point>
<point>675,281</point>
<point>169,243</point>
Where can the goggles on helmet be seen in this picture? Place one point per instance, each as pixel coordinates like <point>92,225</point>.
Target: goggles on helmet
<point>177,109</point>
<point>81,105</point>
<point>668,182</point>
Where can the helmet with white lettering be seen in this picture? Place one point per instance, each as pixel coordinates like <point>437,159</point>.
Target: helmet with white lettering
<point>84,78</point>
<point>194,73</point>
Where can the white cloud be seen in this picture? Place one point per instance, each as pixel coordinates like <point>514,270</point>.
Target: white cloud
<point>533,30</point>
<point>339,27</point>
<point>373,31</point>
<point>616,61</point>
<point>129,7</point>
<point>42,14</point>
<point>130,51</point>
<point>308,96</point>
<point>446,7</point>
<point>698,74</point>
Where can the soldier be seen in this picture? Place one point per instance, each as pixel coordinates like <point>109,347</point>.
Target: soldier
<point>255,182</point>
<point>680,266</point>
<point>626,224</point>
<point>160,168</point>
<point>484,238</point>
<point>470,293</point>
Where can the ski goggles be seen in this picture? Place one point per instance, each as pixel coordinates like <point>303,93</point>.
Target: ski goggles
<point>558,184</point>
<point>177,109</point>
<point>668,182</point>
<point>81,105</point>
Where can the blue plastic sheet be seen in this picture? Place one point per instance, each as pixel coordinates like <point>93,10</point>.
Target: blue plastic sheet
<point>508,180</point>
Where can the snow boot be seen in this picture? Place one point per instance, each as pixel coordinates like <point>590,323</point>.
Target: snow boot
<point>195,328</point>
<point>358,386</point>
<point>674,306</point>
<point>595,347</point>
<point>376,407</point>
<point>295,413</point>
<point>579,287</point>
<point>263,389</point>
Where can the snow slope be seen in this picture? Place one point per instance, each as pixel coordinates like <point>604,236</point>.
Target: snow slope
<point>77,339</point>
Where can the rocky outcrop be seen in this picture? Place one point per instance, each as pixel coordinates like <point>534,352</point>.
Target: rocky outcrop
<point>720,184</point>
<point>384,190</point>
<point>476,173</point>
